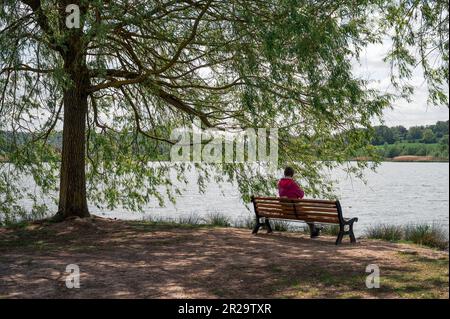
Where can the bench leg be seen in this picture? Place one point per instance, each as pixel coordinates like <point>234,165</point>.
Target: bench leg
<point>352,235</point>
<point>342,232</point>
<point>314,231</point>
<point>257,226</point>
<point>267,223</point>
<point>339,237</point>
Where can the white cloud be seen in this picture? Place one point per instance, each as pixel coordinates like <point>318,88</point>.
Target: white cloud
<point>416,112</point>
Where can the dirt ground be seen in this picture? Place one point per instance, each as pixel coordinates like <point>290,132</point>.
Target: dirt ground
<point>120,259</point>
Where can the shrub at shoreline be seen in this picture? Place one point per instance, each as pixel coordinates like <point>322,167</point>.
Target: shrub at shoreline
<point>434,235</point>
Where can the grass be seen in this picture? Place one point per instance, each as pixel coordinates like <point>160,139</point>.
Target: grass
<point>247,223</point>
<point>427,235</point>
<point>428,277</point>
<point>424,278</point>
<point>280,225</point>
<point>433,236</point>
<point>16,225</point>
<point>192,219</point>
<point>214,219</point>
<point>218,220</point>
<point>330,230</point>
<point>35,239</point>
<point>385,232</point>
<point>327,230</point>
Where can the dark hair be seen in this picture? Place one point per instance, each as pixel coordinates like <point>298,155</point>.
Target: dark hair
<point>289,171</point>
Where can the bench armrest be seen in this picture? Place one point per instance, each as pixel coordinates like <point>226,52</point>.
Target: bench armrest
<point>350,221</point>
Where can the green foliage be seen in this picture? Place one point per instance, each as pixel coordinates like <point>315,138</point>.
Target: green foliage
<point>218,220</point>
<point>427,235</point>
<point>444,140</point>
<point>280,225</point>
<point>421,134</point>
<point>383,135</point>
<point>150,67</point>
<point>247,223</point>
<point>331,230</point>
<point>431,140</point>
<point>434,235</point>
<point>385,232</point>
<point>191,219</point>
<point>419,31</point>
<point>393,151</point>
<point>428,137</point>
<point>415,133</point>
<point>439,151</point>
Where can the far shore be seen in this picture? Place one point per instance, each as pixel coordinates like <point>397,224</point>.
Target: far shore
<point>411,158</point>
<point>408,159</point>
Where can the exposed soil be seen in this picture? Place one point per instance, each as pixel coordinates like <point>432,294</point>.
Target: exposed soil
<point>119,259</point>
<point>414,158</point>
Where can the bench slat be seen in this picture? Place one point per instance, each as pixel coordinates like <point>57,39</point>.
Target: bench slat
<point>297,208</point>
<point>311,220</point>
<point>296,213</point>
<point>305,210</point>
<point>318,205</point>
<point>315,209</point>
<point>308,210</point>
<point>300,205</point>
<point>314,205</point>
<point>299,216</point>
<point>323,201</point>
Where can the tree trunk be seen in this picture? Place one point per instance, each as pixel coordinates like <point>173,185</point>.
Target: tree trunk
<point>72,193</point>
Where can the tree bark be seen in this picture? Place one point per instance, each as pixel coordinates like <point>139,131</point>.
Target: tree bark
<point>72,192</point>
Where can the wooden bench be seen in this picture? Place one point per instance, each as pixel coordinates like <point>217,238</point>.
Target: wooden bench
<point>310,211</point>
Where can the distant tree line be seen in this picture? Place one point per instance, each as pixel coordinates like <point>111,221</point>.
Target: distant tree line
<point>10,141</point>
<point>430,134</point>
<point>431,140</point>
<point>437,151</point>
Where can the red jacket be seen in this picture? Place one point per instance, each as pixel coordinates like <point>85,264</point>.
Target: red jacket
<point>287,187</point>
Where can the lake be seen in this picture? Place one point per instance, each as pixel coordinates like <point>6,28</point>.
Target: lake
<point>398,193</point>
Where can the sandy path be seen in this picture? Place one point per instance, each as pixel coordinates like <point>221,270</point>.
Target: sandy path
<point>137,260</point>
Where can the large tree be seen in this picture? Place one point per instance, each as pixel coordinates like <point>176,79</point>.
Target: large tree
<point>134,70</point>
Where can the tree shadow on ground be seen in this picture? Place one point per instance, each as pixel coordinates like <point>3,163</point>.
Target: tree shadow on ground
<point>141,260</point>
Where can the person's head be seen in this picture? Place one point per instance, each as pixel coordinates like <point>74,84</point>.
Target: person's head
<point>289,172</point>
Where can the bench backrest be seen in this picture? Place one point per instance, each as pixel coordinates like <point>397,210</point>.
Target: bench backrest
<point>308,210</point>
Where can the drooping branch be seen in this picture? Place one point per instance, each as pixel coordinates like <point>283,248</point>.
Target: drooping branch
<point>137,119</point>
<point>183,44</point>
<point>179,104</point>
<point>16,24</point>
<point>44,24</point>
<point>25,68</point>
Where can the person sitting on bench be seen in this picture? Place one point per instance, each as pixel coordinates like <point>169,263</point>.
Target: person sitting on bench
<point>288,187</point>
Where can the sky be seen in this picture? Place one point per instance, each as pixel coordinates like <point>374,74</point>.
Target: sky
<point>415,112</point>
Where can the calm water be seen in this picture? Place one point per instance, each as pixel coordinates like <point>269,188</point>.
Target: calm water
<point>398,193</point>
